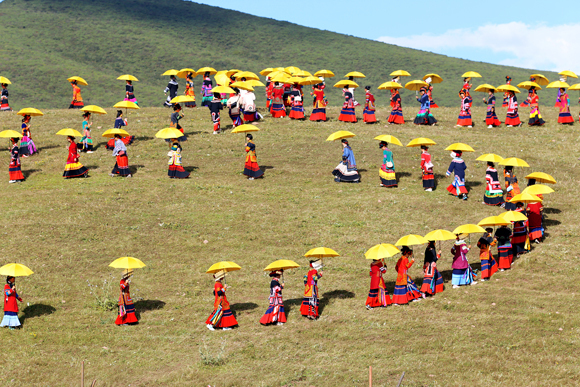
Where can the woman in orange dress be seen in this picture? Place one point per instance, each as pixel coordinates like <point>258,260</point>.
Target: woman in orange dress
<point>222,316</point>
<point>126,306</point>
<point>405,289</point>
<point>73,168</point>
<point>77,101</point>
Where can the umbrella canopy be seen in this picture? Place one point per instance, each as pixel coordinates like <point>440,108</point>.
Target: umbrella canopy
<point>126,105</point>
<point>340,135</point>
<point>389,139</point>
<point>183,72</point>
<point>507,88</point>
<point>381,251</point>
<point>514,162</point>
<point>223,266</point>
<point>557,85</point>
<point>282,78</point>
<point>224,89</point>
<point>528,85</point>
<point>255,83</point>
<point>247,75</point>
<point>110,133</point>
<point>170,72</point>
<point>266,71</point>
<point>94,109</point>
<point>302,73</point>
<point>468,229</point>
<point>282,264</point>
<point>80,81</point>
<point>292,69</point>
<point>321,252</point>
<point>312,80</point>
<point>492,157</point>
<point>460,147</point>
<point>390,85</point>
<point>324,73</point>
<point>400,73</point>
<point>204,70</point>
<point>493,221</point>
<point>182,99</point>
<point>434,78</point>
<point>32,112</point>
<point>513,216</point>
<point>525,198</point>
<point>10,134</point>
<point>411,240</point>
<point>420,141</point>
<point>69,132</point>
<point>127,263</point>
<point>294,79</point>
<point>15,270</point>
<point>415,85</point>
<point>169,133</point>
<point>346,83</point>
<point>244,128</point>
<point>5,80</point>
<point>355,74</point>
<point>486,87</point>
<point>538,189</point>
<point>222,79</point>
<point>128,77</point>
<point>440,235</point>
<point>541,177</point>
<point>575,86</point>
<point>568,73</point>
<point>540,79</point>
<point>471,74</point>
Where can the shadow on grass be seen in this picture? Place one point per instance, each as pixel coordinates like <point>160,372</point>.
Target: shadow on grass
<point>242,307</point>
<point>551,222</point>
<point>135,167</point>
<point>550,210</point>
<point>98,145</point>
<point>190,169</point>
<point>36,310</point>
<point>290,304</point>
<point>29,172</point>
<point>144,138</point>
<point>401,175</point>
<point>471,184</point>
<point>90,167</point>
<point>328,296</point>
<point>265,167</point>
<point>40,149</point>
<point>147,305</point>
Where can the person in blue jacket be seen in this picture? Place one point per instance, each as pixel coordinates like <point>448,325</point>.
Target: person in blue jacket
<point>457,167</point>
<point>424,117</point>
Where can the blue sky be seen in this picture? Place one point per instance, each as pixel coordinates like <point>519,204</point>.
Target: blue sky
<point>531,34</point>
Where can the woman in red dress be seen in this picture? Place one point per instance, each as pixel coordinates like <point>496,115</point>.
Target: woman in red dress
<point>251,167</point>
<point>427,169</point>
<point>378,294</point>
<point>275,312</point>
<point>311,301</point>
<point>126,307</point>
<point>369,110</point>
<point>10,305</point>
<point>319,110</point>
<point>396,116</point>
<point>73,168</point>
<point>14,170</point>
<point>222,316</point>
<point>277,107</point>
<point>405,288</point>
<point>121,167</point>
<point>432,279</point>
<point>77,101</point>
<point>534,213</point>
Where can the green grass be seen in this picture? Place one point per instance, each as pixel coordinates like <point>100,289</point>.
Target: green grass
<point>46,41</point>
<point>520,329</point>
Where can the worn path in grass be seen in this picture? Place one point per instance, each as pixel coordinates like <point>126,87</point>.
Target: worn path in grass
<point>520,329</point>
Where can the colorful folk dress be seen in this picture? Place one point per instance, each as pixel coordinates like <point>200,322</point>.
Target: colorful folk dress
<point>424,117</point>
<point>387,171</point>
<point>10,307</point>
<point>405,288</point>
<point>73,168</point>
<point>275,312</point>
<point>348,114</point>
<point>319,109</point>
<point>121,167</point>
<point>519,236</point>
<point>176,171</point>
<point>378,294</point>
<point>564,117</point>
<point>310,302</point>
<point>4,105</point>
<point>464,118</point>
<point>248,101</point>
<point>190,92</point>
<point>14,170</point>
<point>432,279</point>
<point>491,118</point>
<point>427,171</point>
<point>27,146</point>
<point>222,316</point>
<point>504,247</point>
<point>534,213</point>
<point>493,192</point>
<point>462,272</point>
<point>396,116</point>
<point>206,93</point>
<point>77,101</point>
<point>126,306</point>
<point>369,110</point>
<point>119,123</point>
<point>130,94</point>
<point>171,88</point>
<point>432,104</point>
<point>512,117</point>
<point>512,189</point>
<point>346,170</point>
<point>297,110</point>
<point>277,108</point>
<point>457,167</point>
<point>214,106</point>
<point>251,167</point>
<point>488,262</point>
<point>535,115</point>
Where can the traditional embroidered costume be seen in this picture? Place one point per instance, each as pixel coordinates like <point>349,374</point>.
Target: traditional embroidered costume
<point>520,234</point>
<point>387,171</point>
<point>248,102</point>
<point>277,108</point>
<point>535,115</point>
<point>464,118</point>
<point>77,101</point>
<point>432,279</point>
<point>214,106</point>
<point>347,114</point>
<point>427,169</point>
<point>27,146</point>
<point>534,213</point>
<point>275,312</point>
<point>176,171</point>
<point>87,140</point>
<point>4,105</point>
<point>319,110</point>
<point>405,288</point>
<point>493,192</point>
<point>369,110</point>
<point>512,117</point>
<point>462,272</point>
<point>506,95</point>
<point>564,117</point>
<point>396,116</point>
<point>432,104</point>
<point>424,117</point>
<point>206,86</point>
<point>512,187</point>
<point>504,247</point>
<point>488,262</point>
<point>297,110</point>
<point>190,90</point>
<point>378,294</point>
<point>119,123</point>
<point>73,168</point>
<point>457,167</point>
<point>14,170</point>
<point>121,167</point>
<point>130,93</point>
<point>171,88</point>
<point>251,167</point>
<point>310,302</point>
<point>346,170</point>
<point>233,106</point>
<point>10,305</point>
<point>491,119</point>
<point>126,306</point>
<point>222,316</point>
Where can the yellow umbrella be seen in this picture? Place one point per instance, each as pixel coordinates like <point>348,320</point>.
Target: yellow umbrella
<point>486,87</point>
<point>381,251</point>
<point>340,135</point>
<point>223,266</point>
<point>127,263</point>
<point>79,80</point>
<point>490,157</point>
<point>266,71</point>
<point>15,270</point>
<point>420,141</point>
<point>471,74</point>
<point>538,189</point>
<point>247,75</point>
<point>245,128</point>
<point>541,177</point>
<point>468,229</point>
<point>170,72</point>
<point>282,264</point>
<point>10,134</point>
<point>434,78</point>
<point>128,77</point>
<point>231,72</point>
<point>126,105</point>
<point>69,132</point>
<point>182,99</point>
<point>279,69</point>
<point>440,235</point>
<point>540,79</point>
<point>32,112</point>
<point>346,83</point>
<point>255,83</point>
<point>292,69</point>
<point>400,73</point>
<point>310,81</point>
<point>204,70</point>
<point>110,133</point>
<point>321,252</point>
<point>513,216</point>
<point>410,240</point>
<point>557,85</point>
<point>276,73</point>
<point>242,85</point>
<point>169,133</point>
<point>355,74</point>
<point>514,162</point>
<point>280,78</point>
<point>528,85</point>
<point>222,79</point>
<point>415,85</point>
<point>568,73</point>
<point>525,198</point>
<point>493,221</point>
<point>389,139</point>
<point>294,79</point>
<point>575,86</point>
<point>94,109</point>
<point>302,73</point>
<point>183,72</point>
<point>390,85</point>
<point>507,88</point>
<point>324,73</point>
<point>459,147</point>
<point>5,80</point>
<point>223,89</point>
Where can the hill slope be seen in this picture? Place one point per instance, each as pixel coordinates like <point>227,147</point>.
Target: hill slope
<point>46,41</point>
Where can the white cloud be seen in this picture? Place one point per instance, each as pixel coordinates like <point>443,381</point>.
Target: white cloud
<point>554,48</point>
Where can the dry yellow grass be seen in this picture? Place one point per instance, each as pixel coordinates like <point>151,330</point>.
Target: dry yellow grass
<point>520,329</point>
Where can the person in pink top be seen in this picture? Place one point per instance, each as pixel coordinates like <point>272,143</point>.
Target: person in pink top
<point>462,272</point>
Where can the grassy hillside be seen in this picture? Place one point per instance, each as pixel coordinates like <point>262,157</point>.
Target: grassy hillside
<point>46,41</point>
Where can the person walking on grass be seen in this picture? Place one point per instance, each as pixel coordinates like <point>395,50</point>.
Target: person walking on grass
<point>122,164</point>
<point>233,105</point>
<point>119,123</point>
<point>432,279</point>
<point>504,247</point>
<point>564,116</point>
<point>251,167</point>
<point>462,272</point>
<point>275,313</point>
<point>491,119</point>
<point>171,88</point>
<point>222,316</point>
<point>77,101</point>
<point>488,263</point>
<point>10,319</point>
<point>512,187</point>
<point>493,195</point>
<point>73,168</point>
<point>126,314</point>
<point>87,140</point>
<point>512,118</point>
<point>427,169</point>
<point>190,90</point>
<point>346,171</point>
<point>27,145</point>
<point>457,168</point>
<point>214,106</point>
<point>310,302</point>
<point>396,116</point>
<point>405,289</point>
<point>387,171</point>
<point>14,169</point>
<point>176,170</point>
<point>130,93</point>
<point>369,116</point>
<point>464,119</point>
<point>319,105</point>
<point>535,115</point>
<point>348,113</point>
<point>378,294</point>
<point>424,117</point>
<point>4,105</point>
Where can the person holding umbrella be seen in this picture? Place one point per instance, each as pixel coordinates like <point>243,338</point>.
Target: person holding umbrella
<point>175,117</point>
<point>347,114</point>
<point>506,95</point>
<point>206,87</point>
<point>27,146</point>
<point>77,101</point>
<point>512,187</point>
<point>122,164</point>
<point>251,167</point>
<point>491,119</point>
<point>457,167</point>
<point>4,105</point>
<point>424,117</point>
<point>535,115</point>
<point>275,312</point>
<point>119,123</point>
<point>14,169</point>
<point>378,293</point>
<point>73,168</point>
<point>233,106</point>
<point>504,247</point>
<point>369,110</point>
<point>432,279</point>
<point>464,119</point>
<point>427,169</point>
<point>222,316</point>
<point>10,319</point>
<point>87,140</point>
<point>130,92</point>
<point>564,116</point>
<point>190,90</point>
<point>462,272</point>
<point>297,110</point>
<point>310,302</point>
<point>405,289</point>
<point>346,170</point>
<point>387,171</point>
<point>493,195</point>
<point>171,88</point>
<point>488,262</point>
<point>512,118</point>
<point>534,214</point>
<point>520,233</point>
<point>176,171</point>
<point>396,116</point>
<point>277,107</point>
<point>319,111</point>
<point>126,306</point>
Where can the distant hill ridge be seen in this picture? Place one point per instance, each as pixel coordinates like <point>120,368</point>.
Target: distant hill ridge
<point>46,41</point>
